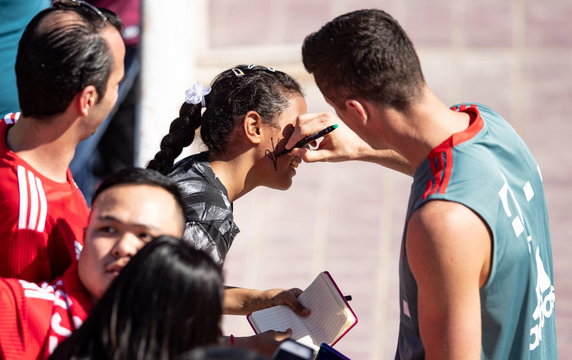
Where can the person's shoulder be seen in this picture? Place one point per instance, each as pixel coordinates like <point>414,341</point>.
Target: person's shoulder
<point>206,203</point>
<point>5,122</point>
<point>445,232</point>
<point>193,168</point>
<point>9,119</point>
<point>198,182</point>
<point>15,293</point>
<point>438,219</point>
<point>12,166</point>
<point>487,113</point>
<point>11,312</point>
<point>9,289</point>
<point>11,187</point>
<point>467,105</point>
<point>26,308</point>
<point>434,213</point>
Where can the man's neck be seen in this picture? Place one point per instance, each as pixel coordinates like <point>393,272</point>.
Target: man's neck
<point>425,126</point>
<point>48,147</point>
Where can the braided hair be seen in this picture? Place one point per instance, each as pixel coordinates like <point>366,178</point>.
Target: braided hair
<point>234,92</point>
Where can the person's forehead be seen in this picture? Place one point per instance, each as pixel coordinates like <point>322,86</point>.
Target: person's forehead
<point>134,196</point>
<point>113,38</point>
<point>296,106</point>
<point>109,32</point>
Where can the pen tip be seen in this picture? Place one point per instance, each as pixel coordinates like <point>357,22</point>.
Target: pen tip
<point>335,126</point>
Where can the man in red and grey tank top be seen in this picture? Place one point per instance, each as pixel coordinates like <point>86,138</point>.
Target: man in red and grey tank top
<point>475,271</point>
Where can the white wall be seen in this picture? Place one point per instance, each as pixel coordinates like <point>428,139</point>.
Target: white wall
<point>174,33</point>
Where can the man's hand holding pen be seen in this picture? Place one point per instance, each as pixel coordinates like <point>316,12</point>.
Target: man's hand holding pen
<point>340,145</point>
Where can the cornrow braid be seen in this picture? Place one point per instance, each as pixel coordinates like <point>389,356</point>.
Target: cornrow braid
<point>181,134</point>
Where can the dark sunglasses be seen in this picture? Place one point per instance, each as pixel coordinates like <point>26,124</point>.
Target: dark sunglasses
<point>77,3</point>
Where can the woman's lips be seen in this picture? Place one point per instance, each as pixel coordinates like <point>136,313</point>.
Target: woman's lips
<point>295,161</point>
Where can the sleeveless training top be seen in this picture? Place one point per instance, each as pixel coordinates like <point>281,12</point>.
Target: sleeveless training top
<point>489,169</point>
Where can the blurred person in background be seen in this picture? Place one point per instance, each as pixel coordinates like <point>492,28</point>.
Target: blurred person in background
<point>15,15</point>
<point>112,147</point>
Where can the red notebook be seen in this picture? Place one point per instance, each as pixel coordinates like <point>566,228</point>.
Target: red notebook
<point>330,319</point>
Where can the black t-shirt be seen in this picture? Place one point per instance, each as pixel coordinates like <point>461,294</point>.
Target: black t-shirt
<point>210,223</point>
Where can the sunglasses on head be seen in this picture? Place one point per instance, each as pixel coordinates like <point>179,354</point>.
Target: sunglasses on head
<point>78,3</point>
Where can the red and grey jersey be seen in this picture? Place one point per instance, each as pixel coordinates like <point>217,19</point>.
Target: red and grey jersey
<point>36,318</point>
<point>41,220</point>
<point>489,169</point>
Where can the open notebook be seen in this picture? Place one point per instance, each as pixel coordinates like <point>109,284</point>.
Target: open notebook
<point>331,316</point>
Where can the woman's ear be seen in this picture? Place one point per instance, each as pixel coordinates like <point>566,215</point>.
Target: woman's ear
<point>357,111</point>
<point>252,126</point>
<point>86,99</point>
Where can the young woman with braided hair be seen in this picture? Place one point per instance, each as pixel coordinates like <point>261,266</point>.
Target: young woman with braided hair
<point>244,124</point>
<point>245,119</point>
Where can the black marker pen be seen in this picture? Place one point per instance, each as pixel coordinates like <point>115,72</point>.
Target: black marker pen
<point>308,139</point>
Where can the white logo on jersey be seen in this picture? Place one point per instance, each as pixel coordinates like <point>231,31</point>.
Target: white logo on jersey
<point>33,204</point>
<point>544,288</point>
<point>53,293</point>
<point>56,325</point>
<point>518,220</point>
<point>545,302</point>
<point>78,247</point>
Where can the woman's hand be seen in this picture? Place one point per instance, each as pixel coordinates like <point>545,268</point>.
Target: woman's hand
<point>241,301</point>
<point>264,343</point>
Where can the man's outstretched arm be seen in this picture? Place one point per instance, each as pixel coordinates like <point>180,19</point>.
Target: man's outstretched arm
<point>342,144</point>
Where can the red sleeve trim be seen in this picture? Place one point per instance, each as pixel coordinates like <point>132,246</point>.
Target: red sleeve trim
<point>441,157</point>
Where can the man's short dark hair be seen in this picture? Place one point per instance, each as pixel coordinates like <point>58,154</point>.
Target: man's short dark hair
<point>139,176</point>
<point>60,53</point>
<point>364,54</point>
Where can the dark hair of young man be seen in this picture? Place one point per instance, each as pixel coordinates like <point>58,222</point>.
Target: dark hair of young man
<point>166,301</point>
<point>60,53</point>
<point>364,54</point>
<point>139,176</point>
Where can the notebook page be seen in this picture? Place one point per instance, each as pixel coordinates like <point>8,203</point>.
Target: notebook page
<point>328,315</point>
<point>279,318</point>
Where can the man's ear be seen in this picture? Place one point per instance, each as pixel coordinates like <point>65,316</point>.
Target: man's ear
<point>252,127</point>
<point>357,110</point>
<point>86,99</point>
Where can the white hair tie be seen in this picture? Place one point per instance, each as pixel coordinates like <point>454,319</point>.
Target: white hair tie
<point>196,94</point>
